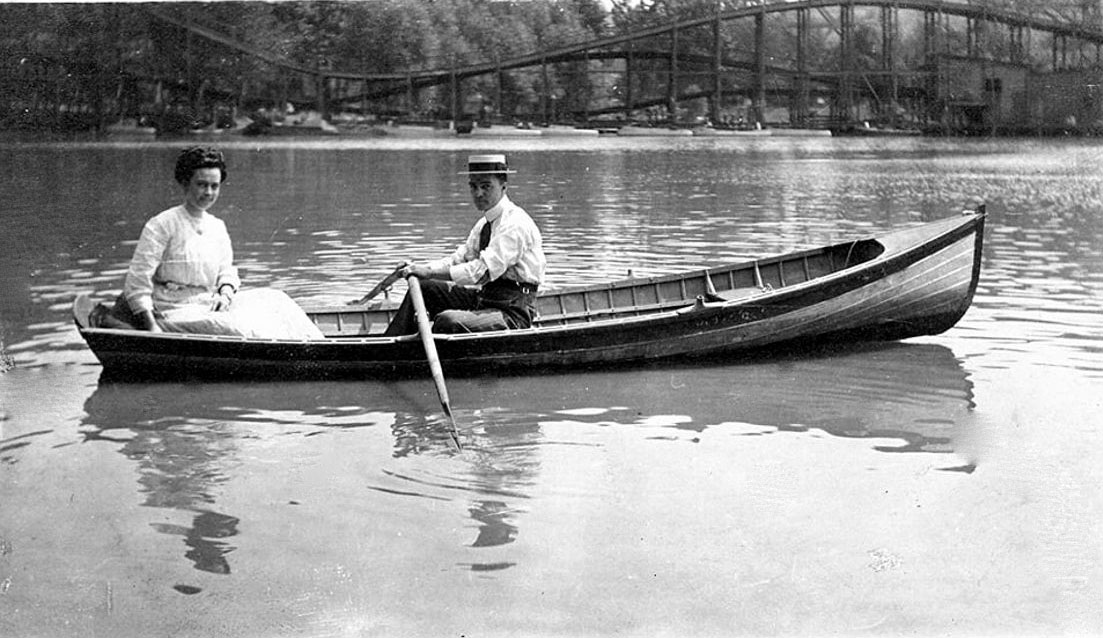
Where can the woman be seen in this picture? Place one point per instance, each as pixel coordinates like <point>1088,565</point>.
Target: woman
<point>182,277</point>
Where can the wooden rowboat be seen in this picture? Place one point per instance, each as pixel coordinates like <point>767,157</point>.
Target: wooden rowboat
<point>911,282</point>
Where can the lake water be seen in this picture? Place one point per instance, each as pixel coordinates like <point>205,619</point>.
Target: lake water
<point>948,485</point>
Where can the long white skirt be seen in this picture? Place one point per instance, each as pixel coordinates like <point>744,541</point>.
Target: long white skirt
<point>263,313</point>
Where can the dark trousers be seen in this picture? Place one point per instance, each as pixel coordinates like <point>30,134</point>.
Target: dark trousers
<point>453,309</point>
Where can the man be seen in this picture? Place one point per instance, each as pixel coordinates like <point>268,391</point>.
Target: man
<point>503,256</point>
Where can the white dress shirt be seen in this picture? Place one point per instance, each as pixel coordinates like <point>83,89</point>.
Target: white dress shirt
<point>516,249</point>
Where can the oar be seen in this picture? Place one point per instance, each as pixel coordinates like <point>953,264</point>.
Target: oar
<point>386,283</point>
<point>426,332</point>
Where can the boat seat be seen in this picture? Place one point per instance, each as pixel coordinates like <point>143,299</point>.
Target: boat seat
<point>734,294</point>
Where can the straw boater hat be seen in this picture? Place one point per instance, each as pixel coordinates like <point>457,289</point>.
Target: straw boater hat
<point>486,165</point>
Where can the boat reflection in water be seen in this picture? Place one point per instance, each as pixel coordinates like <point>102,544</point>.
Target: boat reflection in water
<point>916,393</point>
<point>192,441</point>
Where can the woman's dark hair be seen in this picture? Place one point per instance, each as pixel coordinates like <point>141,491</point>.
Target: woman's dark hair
<point>195,158</point>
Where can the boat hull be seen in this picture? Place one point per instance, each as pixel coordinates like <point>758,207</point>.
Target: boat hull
<point>910,283</point>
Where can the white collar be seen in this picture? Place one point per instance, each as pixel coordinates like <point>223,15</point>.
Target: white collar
<point>494,212</point>
<point>196,222</point>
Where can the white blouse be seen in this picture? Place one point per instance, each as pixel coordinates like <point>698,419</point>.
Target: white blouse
<point>180,260</point>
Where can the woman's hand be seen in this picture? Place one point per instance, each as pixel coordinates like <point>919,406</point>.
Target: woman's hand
<point>150,322</point>
<point>223,301</point>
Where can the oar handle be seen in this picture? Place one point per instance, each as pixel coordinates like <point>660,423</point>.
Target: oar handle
<point>425,330</point>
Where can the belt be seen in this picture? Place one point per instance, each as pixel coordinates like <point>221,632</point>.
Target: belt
<point>523,287</point>
<point>175,286</point>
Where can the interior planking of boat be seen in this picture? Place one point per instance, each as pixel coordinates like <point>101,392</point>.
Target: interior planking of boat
<point>915,281</point>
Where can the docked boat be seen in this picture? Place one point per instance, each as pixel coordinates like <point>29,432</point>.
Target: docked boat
<point>865,130</point>
<point>712,131</point>
<point>914,281</point>
<point>302,125</point>
<point>558,130</point>
<point>653,131</point>
<point>504,131</point>
<point>782,131</point>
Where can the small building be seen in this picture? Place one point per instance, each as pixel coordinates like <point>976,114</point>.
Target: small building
<point>979,96</point>
<point>982,96</point>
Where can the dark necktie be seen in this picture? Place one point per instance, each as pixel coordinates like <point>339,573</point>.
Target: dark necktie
<point>484,237</point>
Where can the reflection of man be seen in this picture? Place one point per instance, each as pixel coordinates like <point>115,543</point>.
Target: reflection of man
<point>206,554</point>
<point>503,254</point>
<point>495,528</point>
